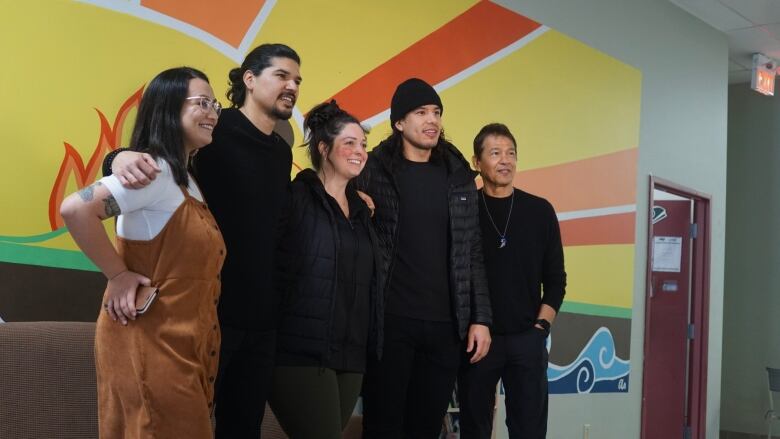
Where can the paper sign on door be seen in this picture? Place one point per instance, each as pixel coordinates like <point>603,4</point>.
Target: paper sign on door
<point>667,253</point>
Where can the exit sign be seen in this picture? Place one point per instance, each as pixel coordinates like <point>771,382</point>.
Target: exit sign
<point>763,75</point>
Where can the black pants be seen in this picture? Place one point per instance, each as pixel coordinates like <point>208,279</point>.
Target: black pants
<point>406,393</point>
<point>243,382</point>
<point>521,361</point>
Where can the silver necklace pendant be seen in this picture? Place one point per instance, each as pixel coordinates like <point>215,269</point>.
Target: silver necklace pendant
<point>502,242</point>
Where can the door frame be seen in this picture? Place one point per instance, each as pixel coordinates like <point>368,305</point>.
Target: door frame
<point>699,299</point>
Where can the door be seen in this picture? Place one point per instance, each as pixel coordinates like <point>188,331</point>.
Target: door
<point>676,311</point>
<point>666,336</point>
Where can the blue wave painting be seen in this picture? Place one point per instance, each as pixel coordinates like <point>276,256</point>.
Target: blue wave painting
<point>596,370</point>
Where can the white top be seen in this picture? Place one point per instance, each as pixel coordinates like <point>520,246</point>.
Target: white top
<point>145,211</point>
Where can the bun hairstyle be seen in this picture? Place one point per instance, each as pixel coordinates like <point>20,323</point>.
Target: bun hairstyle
<point>257,60</point>
<point>323,124</point>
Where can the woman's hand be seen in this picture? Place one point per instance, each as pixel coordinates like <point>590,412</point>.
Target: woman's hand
<point>120,295</point>
<point>369,202</point>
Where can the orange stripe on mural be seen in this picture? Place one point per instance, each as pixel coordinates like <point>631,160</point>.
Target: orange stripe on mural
<point>227,20</point>
<point>479,32</point>
<point>592,183</point>
<point>599,230</point>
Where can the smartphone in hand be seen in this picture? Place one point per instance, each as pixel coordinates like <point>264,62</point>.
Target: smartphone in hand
<point>144,297</point>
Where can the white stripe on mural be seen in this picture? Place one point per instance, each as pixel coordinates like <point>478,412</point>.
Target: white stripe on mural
<point>135,9</point>
<point>377,119</point>
<point>254,29</point>
<point>589,213</point>
<point>469,71</point>
<point>501,54</point>
<point>297,116</point>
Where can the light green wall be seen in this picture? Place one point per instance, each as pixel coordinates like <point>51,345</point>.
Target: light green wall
<point>751,321</point>
<point>684,66</point>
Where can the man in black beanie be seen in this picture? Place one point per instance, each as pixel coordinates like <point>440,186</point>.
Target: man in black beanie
<point>427,219</point>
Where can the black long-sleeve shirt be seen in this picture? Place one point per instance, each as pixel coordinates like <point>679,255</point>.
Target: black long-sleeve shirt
<point>245,177</point>
<point>528,271</point>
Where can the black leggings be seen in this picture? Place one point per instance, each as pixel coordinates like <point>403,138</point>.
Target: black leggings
<point>313,402</point>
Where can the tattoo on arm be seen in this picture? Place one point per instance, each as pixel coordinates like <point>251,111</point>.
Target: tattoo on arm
<point>88,192</point>
<point>111,206</point>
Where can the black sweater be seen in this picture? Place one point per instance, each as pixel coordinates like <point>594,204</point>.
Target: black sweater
<point>531,260</point>
<point>245,176</point>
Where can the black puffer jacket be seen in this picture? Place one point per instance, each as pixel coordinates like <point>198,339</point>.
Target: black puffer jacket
<point>468,283</point>
<point>307,278</point>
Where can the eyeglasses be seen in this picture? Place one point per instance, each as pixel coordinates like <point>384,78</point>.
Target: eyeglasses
<point>206,104</point>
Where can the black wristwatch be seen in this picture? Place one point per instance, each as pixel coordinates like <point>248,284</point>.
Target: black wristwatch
<point>544,324</point>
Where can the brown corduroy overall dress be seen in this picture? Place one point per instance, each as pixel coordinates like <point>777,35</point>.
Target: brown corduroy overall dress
<point>156,375</point>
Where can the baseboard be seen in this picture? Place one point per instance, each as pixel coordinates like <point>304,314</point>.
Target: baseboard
<point>737,435</point>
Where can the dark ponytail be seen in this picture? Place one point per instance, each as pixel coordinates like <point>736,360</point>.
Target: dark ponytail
<point>256,61</point>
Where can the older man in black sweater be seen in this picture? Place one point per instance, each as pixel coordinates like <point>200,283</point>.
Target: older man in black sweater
<point>523,257</point>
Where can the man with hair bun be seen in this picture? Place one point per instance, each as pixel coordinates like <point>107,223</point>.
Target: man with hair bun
<point>245,175</point>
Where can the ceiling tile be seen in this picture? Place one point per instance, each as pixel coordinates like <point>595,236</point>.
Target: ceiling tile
<point>714,13</point>
<point>772,30</point>
<point>757,11</point>
<point>733,66</point>
<point>745,42</point>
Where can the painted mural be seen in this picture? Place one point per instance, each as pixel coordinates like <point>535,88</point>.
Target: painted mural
<point>76,71</point>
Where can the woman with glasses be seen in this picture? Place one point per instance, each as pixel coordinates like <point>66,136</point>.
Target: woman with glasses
<point>156,361</point>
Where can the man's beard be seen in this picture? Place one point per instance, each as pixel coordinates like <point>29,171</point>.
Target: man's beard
<point>281,114</point>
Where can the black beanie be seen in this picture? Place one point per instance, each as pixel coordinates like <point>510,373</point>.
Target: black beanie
<point>411,94</point>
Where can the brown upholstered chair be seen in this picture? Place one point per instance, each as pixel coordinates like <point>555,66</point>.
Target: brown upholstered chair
<point>47,383</point>
<point>47,380</point>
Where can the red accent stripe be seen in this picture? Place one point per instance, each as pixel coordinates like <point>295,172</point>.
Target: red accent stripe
<point>599,230</point>
<point>479,32</point>
<point>591,183</point>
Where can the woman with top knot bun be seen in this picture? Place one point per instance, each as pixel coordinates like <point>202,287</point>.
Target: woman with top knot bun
<point>331,317</point>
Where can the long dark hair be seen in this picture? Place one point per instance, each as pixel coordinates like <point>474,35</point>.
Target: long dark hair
<point>323,124</point>
<point>158,129</point>
<point>256,61</point>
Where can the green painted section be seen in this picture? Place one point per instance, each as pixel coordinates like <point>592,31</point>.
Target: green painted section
<point>34,238</point>
<point>46,257</point>
<point>596,310</point>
